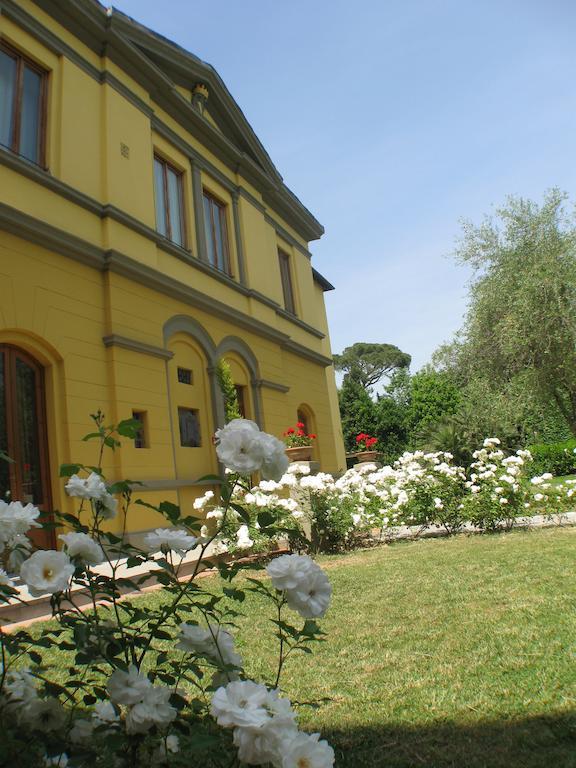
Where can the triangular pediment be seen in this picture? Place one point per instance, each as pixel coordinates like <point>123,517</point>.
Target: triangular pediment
<point>187,70</point>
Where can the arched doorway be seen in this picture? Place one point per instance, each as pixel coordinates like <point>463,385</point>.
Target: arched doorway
<point>23,435</point>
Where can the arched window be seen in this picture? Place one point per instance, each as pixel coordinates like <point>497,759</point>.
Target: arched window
<point>23,435</point>
<point>302,417</point>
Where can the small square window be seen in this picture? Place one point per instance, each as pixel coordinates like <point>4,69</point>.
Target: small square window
<point>185,376</point>
<point>141,441</point>
<point>189,422</point>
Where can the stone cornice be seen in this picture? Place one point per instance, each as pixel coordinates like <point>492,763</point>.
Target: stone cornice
<point>326,285</point>
<point>45,235</point>
<point>272,385</point>
<point>116,38</point>
<point>40,176</point>
<point>113,340</point>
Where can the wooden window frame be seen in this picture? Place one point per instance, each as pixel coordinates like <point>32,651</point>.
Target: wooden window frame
<point>216,201</point>
<point>168,221</point>
<point>21,62</point>
<point>284,261</point>
<point>12,352</point>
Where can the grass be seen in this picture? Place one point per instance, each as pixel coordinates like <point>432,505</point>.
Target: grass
<point>445,653</point>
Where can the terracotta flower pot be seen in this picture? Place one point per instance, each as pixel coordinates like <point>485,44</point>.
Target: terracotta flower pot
<point>364,456</point>
<point>299,453</point>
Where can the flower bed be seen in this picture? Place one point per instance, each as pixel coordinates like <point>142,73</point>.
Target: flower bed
<point>160,685</point>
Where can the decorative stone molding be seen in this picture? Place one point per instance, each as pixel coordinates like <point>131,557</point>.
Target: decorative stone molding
<point>113,340</point>
<point>200,97</point>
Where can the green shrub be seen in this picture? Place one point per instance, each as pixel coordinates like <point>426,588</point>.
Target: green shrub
<point>332,523</point>
<point>557,458</point>
<point>228,390</point>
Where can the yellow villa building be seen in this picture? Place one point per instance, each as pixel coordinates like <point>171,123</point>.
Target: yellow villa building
<point>145,234</point>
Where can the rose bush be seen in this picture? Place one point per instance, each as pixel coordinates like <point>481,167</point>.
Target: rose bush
<point>419,490</point>
<point>155,686</point>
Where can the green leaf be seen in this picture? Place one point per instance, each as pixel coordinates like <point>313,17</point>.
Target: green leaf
<point>92,436</point>
<point>242,512</point>
<point>216,479</point>
<point>266,518</point>
<point>234,594</point>
<point>67,470</point>
<point>169,510</point>
<point>129,428</point>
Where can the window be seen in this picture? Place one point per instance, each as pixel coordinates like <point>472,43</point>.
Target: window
<point>22,105</point>
<point>23,436</point>
<point>169,205</point>
<point>189,422</point>
<point>286,282</point>
<point>216,233</point>
<point>241,398</point>
<point>140,441</point>
<point>184,375</point>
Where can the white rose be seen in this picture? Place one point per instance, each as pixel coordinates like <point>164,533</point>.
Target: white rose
<point>287,571</point>
<point>201,501</point>
<point>243,540</point>
<point>127,687</point>
<point>46,571</point>
<point>83,547</point>
<point>20,687</point>
<point>304,749</point>
<point>259,746</point>
<point>108,506</point>
<point>169,539</point>
<point>275,461</point>
<point>262,745</point>
<point>16,519</point>
<point>44,715</point>
<point>311,597</point>
<point>91,487</point>
<point>239,446</point>
<point>241,703</point>
<point>104,713</point>
<point>154,709</point>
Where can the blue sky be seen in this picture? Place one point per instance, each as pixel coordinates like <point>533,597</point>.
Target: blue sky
<point>392,121</point>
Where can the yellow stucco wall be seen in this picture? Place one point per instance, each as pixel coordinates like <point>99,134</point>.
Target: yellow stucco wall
<point>62,294</point>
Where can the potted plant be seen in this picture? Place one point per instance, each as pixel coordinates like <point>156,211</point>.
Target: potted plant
<point>366,450</point>
<point>299,443</point>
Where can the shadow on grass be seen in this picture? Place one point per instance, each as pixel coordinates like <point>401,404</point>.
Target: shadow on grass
<point>547,741</point>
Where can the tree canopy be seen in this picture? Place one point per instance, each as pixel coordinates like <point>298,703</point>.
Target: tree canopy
<point>370,362</point>
<point>520,330</point>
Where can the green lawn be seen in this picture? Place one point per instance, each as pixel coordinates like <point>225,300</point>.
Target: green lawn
<point>446,653</point>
